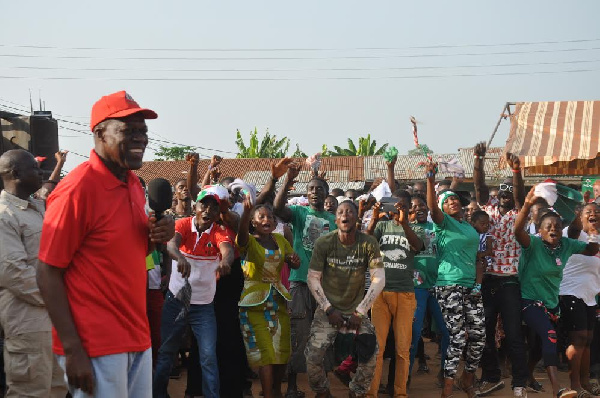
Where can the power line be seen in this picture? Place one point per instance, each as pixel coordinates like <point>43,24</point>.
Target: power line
<point>215,79</point>
<point>299,58</point>
<point>164,140</point>
<point>304,49</point>
<point>303,69</point>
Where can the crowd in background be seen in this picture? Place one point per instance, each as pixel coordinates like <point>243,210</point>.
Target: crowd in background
<point>238,284</point>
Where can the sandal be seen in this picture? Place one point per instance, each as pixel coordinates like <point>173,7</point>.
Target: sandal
<point>584,394</point>
<point>594,389</point>
<point>566,393</point>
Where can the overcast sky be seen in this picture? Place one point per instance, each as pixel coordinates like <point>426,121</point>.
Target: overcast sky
<point>316,72</point>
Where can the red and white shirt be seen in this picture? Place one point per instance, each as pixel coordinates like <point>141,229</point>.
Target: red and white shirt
<point>201,249</point>
<point>507,251</point>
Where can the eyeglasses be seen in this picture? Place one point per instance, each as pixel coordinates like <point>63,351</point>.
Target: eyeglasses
<point>506,187</point>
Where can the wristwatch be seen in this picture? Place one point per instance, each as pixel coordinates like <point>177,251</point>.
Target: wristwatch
<point>329,310</point>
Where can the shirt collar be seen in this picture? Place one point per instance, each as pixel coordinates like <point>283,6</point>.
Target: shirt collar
<point>22,204</point>
<point>108,179</point>
<point>195,230</point>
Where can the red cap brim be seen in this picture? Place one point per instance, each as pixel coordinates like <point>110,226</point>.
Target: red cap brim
<point>147,113</point>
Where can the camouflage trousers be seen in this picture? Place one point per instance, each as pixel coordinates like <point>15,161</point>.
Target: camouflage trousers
<point>322,336</point>
<point>465,319</point>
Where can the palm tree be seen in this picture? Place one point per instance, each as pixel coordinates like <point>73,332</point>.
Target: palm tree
<point>269,146</point>
<point>366,147</point>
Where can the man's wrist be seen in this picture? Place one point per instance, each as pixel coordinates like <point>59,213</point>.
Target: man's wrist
<point>329,310</point>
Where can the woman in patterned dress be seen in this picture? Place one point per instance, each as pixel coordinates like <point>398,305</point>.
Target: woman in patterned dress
<point>264,319</point>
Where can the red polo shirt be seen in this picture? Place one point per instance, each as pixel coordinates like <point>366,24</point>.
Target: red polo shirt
<point>96,228</point>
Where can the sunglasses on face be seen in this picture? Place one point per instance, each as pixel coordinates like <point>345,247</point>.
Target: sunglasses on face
<point>506,187</point>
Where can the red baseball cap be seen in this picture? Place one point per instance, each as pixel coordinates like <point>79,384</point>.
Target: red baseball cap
<point>117,105</point>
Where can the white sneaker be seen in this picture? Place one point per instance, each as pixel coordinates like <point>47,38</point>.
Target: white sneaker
<point>520,392</point>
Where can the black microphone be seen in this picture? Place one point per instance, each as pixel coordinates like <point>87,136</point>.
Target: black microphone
<point>160,196</point>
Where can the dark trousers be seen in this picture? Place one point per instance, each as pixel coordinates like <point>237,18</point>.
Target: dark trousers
<point>538,319</point>
<point>502,295</point>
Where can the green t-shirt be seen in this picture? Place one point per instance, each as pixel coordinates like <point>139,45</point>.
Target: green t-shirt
<point>344,268</point>
<point>398,257</point>
<point>457,245</point>
<point>307,226</point>
<point>426,263</point>
<point>540,271</point>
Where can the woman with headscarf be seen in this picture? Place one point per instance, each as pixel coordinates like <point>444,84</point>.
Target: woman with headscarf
<point>462,308</point>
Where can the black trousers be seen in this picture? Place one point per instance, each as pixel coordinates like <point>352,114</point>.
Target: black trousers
<point>502,295</point>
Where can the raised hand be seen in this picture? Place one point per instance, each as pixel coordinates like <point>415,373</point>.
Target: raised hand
<point>280,168</point>
<point>215,161</point>
<point>215,174</point>
<point>192,158</point>
<point>248,205</point>
<point>431,167</point>
<point>513,161</point>
<point>531,198</point>
<point>392,163</point>
<point>480,149</point>
<point>293,171</point>
<point>61,156</point>
<point>402,216</point>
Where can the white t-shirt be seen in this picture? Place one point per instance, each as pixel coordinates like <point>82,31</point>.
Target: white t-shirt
<point>581,275</point>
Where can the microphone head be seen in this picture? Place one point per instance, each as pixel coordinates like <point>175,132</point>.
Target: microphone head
<point>160,195</point>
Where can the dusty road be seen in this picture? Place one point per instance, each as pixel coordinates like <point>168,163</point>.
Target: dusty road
<point>422,385</point>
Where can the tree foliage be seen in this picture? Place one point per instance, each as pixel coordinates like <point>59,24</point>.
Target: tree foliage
<point>172,152</point>
<point>268,147</point>
<point>299,153</point>
<point>422,149</point>
<point>365,147</point>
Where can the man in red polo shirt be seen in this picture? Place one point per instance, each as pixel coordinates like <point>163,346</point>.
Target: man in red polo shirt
<point>201,250</point>
<point>92,269</point>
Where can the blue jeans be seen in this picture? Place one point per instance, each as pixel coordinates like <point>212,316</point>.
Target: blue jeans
<point>425,299</point>
<point>127,375</point>
<point>201,319</point>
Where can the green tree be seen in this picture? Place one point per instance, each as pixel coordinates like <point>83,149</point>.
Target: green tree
<point>365,147</point>
<point>268,147</point>
<point>423,148</point>
<point>172,152</point>
<point>298,153</point>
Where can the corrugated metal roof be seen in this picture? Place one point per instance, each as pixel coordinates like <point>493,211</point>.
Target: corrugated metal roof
<point>407,167</point>
<point>344,172</point>
<point>347,172</point>
<point>491,165</point>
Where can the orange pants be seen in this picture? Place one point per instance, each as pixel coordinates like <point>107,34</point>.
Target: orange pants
<point>397,309</point>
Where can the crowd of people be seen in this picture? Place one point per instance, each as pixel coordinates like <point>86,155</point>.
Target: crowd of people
<point>102,297</point>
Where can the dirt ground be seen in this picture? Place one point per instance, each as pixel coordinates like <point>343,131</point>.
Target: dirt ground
<point>422,385</point>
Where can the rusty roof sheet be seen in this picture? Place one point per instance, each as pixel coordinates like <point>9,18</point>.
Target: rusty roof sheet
<point>341,171</point>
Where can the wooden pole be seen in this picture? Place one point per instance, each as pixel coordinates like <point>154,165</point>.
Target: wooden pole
<point>506,106</point>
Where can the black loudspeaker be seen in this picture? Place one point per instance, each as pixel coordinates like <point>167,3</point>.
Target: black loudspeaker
<point>36,134</point>
<point>44,141</point>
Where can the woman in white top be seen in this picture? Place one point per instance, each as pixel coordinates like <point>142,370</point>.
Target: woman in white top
<point>578,290</point>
